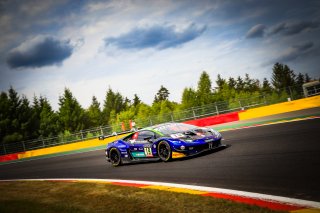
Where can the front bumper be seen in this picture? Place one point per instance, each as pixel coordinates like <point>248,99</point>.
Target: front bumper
<point>196,149</point>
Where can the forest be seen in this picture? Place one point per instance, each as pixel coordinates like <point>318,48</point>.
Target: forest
<point>22,119</point>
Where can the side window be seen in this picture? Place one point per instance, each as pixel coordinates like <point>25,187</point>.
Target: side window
<point>144,134</point>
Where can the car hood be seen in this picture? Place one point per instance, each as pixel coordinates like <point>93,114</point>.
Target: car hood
<point>196,134</point>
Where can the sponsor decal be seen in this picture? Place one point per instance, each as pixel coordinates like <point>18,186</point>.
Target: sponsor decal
<point>132,141</point>
<point>209,140</point>
<point>148,152</point>
<point>178,135</point>
<point>138,154</point>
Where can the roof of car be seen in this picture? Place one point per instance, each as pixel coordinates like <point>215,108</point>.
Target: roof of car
<point>159,125</point>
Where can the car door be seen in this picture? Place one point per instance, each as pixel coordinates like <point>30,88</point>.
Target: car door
<point>141,146</point>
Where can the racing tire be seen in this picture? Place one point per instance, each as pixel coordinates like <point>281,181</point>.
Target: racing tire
<point>115,157</point>
<point>164,151</point>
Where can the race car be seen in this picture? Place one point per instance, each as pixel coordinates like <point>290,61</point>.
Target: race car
<point>163,142</point>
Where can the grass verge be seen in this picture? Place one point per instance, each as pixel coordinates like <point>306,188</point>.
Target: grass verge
<point>46,196</point>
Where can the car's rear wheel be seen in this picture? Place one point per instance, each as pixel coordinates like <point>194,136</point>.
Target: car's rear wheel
<point>115,157</point>
<point>164,151</point>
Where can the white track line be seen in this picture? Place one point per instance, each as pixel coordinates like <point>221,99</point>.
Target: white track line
<point>265,197</point>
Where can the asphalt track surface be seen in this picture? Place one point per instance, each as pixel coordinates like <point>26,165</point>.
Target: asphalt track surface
<point>281,159</point>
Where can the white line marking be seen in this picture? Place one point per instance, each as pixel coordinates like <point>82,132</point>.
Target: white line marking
<point>265,197</point>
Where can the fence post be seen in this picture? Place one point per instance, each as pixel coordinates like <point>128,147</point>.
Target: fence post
<point>240,105</point>
<point>290,91</point>
<point>150,121</point>
<point>101,130</point>
<point>4,148</point>
<point>194,114</point>
<point>217,110</point>
<point>265,100</point>
<point>24,146</point>
<point>81,134</point>
<point>171,117</point>
<point>42,142</point>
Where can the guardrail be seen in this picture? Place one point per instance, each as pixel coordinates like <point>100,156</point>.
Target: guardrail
<point>178,116</point>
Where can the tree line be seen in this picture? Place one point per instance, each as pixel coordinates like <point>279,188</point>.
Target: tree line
<point>22,120</point>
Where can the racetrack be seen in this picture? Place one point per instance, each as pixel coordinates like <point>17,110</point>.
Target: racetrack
<point>281,159</point>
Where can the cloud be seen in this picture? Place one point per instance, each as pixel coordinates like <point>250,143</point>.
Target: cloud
<point>303,47</point>
<point>293,53</point>
<point>160,37</point>
<point>39,52</point>
<point>288,29</point>
<point>256,31</point>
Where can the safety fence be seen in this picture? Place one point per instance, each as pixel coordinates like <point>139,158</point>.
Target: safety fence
<point>212,109</point>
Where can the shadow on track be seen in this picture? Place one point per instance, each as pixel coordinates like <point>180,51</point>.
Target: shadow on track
<point>149,161</point>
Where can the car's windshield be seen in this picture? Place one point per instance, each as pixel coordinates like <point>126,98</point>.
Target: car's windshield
<point>173,128</point>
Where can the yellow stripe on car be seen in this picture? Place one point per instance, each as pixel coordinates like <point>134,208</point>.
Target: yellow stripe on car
<point>177,155</point>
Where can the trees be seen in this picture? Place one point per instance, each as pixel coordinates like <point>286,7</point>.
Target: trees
<point>307,78</point>
<point>114,101</point>
<point>282,76</point>
<point>16,117</point>
<point>300,80</point>
<point>94,113</point>
<point>250,85</point>
<point>188,98</point>
<point>4,115</point>
<point>240,84</point>
<point>220,82</point>
<point>136,100</point>
<point>49,125</point>
<point>11,117</point>
<point>204,89</point>
<point>71,114</point>
<point>266,87</point>
<point>162,95</point>
<point>232,83</point>
<point>20,121</point>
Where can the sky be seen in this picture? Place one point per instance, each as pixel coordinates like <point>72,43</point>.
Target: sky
<point>136,46</point>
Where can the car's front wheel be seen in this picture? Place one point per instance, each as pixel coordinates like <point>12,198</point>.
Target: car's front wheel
<point>115,157</point>
<point>164,151</point>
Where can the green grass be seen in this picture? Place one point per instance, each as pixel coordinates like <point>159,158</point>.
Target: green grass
<point>44,196</point>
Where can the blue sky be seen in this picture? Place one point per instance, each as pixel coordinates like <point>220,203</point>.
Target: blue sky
<point>137,46</point>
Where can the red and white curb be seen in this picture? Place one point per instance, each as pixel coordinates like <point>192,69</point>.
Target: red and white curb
<point>262,200</point>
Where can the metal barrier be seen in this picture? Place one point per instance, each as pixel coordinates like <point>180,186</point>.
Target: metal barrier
<point>175,116</point>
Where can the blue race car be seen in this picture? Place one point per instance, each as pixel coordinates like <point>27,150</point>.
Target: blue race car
<point>163,142</point>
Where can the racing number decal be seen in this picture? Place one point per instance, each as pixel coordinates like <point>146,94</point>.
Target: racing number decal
<point>148,151</point>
